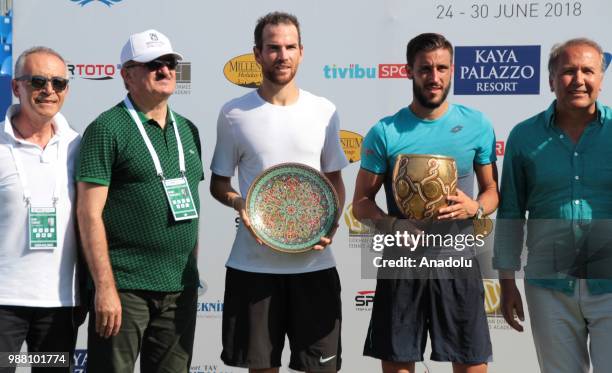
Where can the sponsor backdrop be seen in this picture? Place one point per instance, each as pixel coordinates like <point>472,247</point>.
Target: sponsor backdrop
<point>354,55</point>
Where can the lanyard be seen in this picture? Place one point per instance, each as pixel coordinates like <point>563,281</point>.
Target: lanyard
<point>27,195</point>
<point>147,141</point>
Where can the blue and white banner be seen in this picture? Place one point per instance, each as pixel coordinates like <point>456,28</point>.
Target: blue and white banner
<point>497,70</point>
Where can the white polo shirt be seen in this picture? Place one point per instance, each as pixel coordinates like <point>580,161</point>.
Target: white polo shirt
<point>38,278</point>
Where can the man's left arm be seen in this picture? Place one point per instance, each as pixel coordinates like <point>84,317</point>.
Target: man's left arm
<point>464,207</point>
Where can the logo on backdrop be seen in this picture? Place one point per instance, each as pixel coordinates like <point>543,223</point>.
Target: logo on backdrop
<point>492,305</point>
<point>492,298</point>
<point>244,71</point>
<point>497,70</point>
<point>608,58</point>
<point>500,148</point>
<point>183,78</point>
<point>356,71</point>
<point>205,307</point>
<point>80,361</point>
<point>93,71</point>
<point>364,300</point>
<point>355,226</point>
<point>209,310</point>
<point>105,2</point>
<point>209,368</point>
<point>351,144</point>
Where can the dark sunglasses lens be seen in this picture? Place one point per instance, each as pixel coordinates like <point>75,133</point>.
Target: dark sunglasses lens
<point>172,64</point>
<point>154,65</point>
<point>59,84</point>
<point>158,64</point>
<point>38,82</point>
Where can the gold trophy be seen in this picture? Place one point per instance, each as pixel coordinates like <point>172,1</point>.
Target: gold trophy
<point>421,183</point>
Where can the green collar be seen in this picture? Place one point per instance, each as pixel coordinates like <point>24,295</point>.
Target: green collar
<point>144,118</point>
<point>549,114</point>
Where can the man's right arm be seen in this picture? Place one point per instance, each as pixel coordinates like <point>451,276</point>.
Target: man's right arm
<point>364,201</point>
<point>510,232</point>
<point>107,306</point>
<point>221,189</point>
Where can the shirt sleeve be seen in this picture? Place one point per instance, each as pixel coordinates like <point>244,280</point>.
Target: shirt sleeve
<point>195,134</point>
<point>485,153</point>
<point>374,151</point>
<point>97,155</point>
<point>509,232</point>
<point>225,158</point>
<point>332,155</point>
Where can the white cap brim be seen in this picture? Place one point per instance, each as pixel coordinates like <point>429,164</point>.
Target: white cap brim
<point>153,55</point>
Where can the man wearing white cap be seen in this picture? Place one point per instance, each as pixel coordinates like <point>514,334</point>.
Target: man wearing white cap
<point>138,207</point>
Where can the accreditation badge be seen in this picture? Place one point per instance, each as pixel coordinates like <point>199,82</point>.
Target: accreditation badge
<point>180,199</point>
<point>42,228</point>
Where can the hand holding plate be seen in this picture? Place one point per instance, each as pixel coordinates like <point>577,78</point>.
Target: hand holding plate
<point>239,204</point>
<point>326,240</point>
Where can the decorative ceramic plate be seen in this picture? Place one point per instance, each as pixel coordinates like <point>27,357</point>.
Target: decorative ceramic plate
<point>291,206</point>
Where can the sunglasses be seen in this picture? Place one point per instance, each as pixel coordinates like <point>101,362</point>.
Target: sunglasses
<point>157,64</point>
<point>39,82</point>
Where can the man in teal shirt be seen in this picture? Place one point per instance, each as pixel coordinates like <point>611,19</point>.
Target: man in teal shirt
<point>556,171</point>
<point>448,307</point>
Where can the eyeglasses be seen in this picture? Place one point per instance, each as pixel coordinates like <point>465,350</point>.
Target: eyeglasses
<point>39,82</point>
<point>170,63</point>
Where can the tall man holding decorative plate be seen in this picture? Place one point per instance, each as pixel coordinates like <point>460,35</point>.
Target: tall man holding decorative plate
<point>269,293</point>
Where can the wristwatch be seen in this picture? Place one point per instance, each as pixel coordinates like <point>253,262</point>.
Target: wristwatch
<point>480,212</point>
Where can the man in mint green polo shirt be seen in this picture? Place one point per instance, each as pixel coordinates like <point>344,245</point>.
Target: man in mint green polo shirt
<point>138,206</point>
<point>557,172</point>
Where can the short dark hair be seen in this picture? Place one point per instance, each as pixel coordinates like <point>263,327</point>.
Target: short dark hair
<point>558,49</point>
<point>426,42</point>
<point>275,18</point>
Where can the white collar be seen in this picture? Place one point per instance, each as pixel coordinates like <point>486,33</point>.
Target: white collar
<point>59,122</point>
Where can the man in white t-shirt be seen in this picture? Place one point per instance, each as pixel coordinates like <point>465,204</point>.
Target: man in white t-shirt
<point>269,294</point>
<point>38,246</point>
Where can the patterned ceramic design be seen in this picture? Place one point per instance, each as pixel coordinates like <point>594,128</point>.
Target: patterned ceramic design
<point>291,206</point>
<point>421,183</point>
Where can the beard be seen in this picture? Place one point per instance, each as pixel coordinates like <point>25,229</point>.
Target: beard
<point>417,93</point>
<point>271,74</point>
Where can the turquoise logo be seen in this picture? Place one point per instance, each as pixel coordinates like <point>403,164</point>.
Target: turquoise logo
<point>105,2</point>
<point>456,128</point>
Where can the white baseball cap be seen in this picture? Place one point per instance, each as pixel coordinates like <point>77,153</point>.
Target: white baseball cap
<point>146,46</point>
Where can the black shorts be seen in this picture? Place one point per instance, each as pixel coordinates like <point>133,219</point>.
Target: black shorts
<point>451,310</point>
<point>260,309</point>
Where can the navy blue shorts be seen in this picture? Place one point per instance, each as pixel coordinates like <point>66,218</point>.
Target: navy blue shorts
<point>450,310</point>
